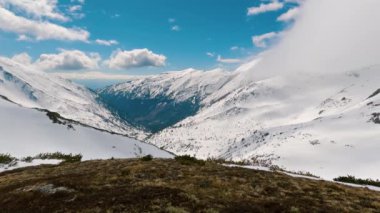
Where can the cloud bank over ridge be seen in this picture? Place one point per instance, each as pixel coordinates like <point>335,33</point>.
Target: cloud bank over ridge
<point>346,37</point>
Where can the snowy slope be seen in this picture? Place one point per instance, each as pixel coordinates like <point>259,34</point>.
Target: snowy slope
<point>178,85</point>
<point>34,89</point>
<point>157,102</point>
<point>28,132</point>
<point>332,130</point>
<point>322,123</point>
<point>310,103</point>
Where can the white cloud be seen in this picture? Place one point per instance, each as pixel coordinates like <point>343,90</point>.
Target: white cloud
<point>327,38</point>
<point>263,8</point>
<point>237,48</point>
<point>209,54</point>
<point>261,40</point>
<point>93,75</point>
<point>171,20</point>
<point>106,42</point>
<point>75,8</point>
<point>38,9</point>
<point>23,58</point>
<point>228,60</point>
<point>176,28</point>
<point>68,60</point>
<point>24,38</point>
<point>75,11</point>
<point>234,48</point>
<point>135,58</point>
<point>290,15</point>
<point>295,1</point>
<point>40,30</point>
<point>78,1</point>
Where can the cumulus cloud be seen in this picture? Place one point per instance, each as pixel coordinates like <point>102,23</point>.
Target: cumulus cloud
<point>209,54</point>
<point>68,60</point>
<point>263,8</point>
<point>31,20</point>
<point>122,59</point>
<point>75,11</point>
<point>228,60</point>
<point>75,8</point>
<point>39,9</point>
<point>40,30</point>
<point>342,39</point>
<point>261,40</point>
<point>24,38</point>
<point>78,1</point>
<point>176,28</point>
<point>106,42</point>
<point>290,15</point>
<point>22,58</point>
<point>233,48</point>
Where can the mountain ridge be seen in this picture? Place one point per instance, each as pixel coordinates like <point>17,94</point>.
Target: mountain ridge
<point>263,120</point>
<point>30,88</point>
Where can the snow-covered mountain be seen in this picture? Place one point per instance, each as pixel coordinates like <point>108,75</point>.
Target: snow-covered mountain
<point>325,124</point>
<point>159,101</point>
<point>29,132</point>
<point>311,102</point>
<point>32,88</point>
<point>40,113</point>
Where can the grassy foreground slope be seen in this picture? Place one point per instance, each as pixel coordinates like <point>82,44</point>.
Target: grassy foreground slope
<point>172,186</point>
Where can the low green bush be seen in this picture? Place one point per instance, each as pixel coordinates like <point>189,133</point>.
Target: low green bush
<point>27,159</point>
<point>225,161</point>
<point>68,158</point>
<point>54,117</point>
<point>354,180</point>
<point>188,160</point>
<point>6,158</point>
<point>147,158</point>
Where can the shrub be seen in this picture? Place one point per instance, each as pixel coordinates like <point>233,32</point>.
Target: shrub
<point>225,161</point>
<point>275,168</point>
<point>28,159</point>
<point>54,116</point>
<point>188,160</point>
<point>6,159</point>
<point>147,158</point>
<point>354,180</point>
<point>68,158</point>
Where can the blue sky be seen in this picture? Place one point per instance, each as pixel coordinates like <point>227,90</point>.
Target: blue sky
<point>176,34</point>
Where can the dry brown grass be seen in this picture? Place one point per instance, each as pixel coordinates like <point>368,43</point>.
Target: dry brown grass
<point>170,186</point>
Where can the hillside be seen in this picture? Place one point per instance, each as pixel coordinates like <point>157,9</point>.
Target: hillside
<point>172,186</point>
<point>309,102</point>
<point>282,120</point>
<point>32,88</point>
<point>28,132</point>
<point>159,101</point>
